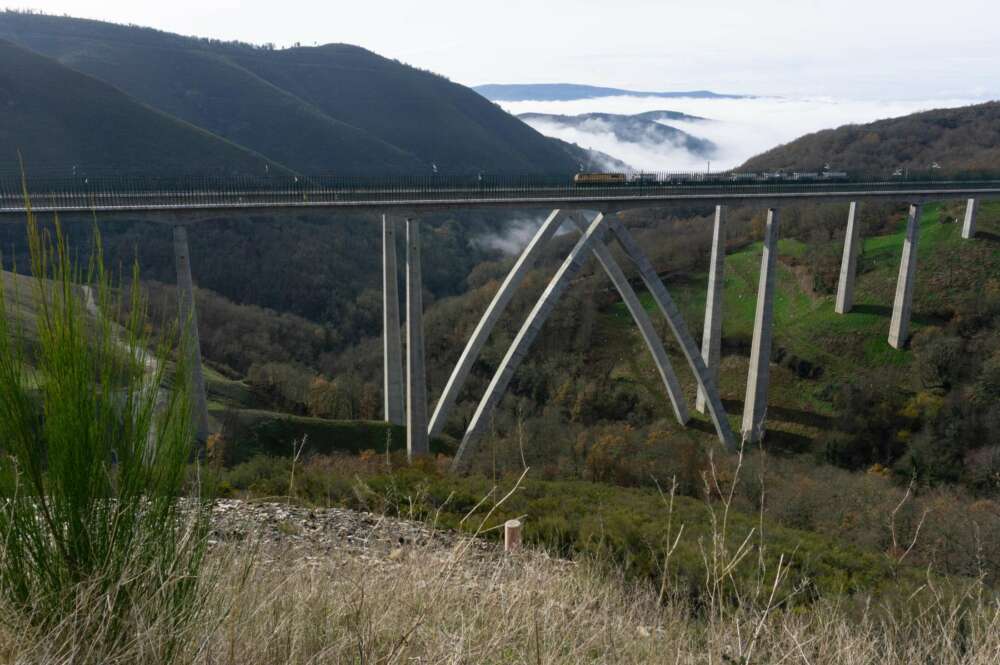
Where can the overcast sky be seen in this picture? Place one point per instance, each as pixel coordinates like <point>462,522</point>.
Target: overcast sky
<point>864,49</point>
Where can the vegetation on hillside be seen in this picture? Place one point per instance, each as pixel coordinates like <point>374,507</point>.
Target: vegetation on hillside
<point>966,138</point>
<point>329,109</point>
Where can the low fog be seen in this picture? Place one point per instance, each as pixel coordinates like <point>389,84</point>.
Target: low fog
<point>741,128</point>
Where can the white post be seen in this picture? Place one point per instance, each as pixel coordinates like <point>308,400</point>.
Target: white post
<point>848,263</point>
<point>416,381</point>
<point>711,337</point>
<point>512,536</point>
<point>392,345</point>
<point>899,328</point>
<point>755,405</point>
<point>969,225</point>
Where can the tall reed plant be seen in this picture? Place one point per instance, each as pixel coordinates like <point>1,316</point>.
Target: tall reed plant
<point>94,453</point>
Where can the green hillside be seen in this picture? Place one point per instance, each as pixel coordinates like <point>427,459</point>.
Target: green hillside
<point>59,118</point>
<point>955,139</point>
<point>331,109</point>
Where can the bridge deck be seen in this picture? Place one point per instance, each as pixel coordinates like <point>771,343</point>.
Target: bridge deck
<point>217,196</point>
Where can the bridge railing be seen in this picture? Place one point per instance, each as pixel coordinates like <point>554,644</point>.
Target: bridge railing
<point>76,192</point>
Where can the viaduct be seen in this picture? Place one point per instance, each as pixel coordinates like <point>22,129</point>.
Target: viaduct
<point>590,209</point>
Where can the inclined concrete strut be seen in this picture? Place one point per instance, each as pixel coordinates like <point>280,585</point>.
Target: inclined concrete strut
<point>848,263</point>
<point>489,319</point>
<point>189,324</point>
<point>899,328</point>
<point>570,267</point>
<point>755,405</point>
<point>645,325</point>
<point>392,345</point>
<point>680,331</point>
<point>711,336</point>
<point>969,225</point>
<point>416,380</point>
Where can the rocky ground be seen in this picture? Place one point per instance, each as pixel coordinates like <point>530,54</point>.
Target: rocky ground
<point>279,529</point>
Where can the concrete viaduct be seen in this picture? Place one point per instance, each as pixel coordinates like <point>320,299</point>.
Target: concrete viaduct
<point>591,210</point>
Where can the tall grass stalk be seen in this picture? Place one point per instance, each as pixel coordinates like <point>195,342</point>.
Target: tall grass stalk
<point>94,455</point>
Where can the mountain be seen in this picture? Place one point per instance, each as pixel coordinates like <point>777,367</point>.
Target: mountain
<point>61,119</point>
<point>663,116</point>
<point>558,92</point>
<point>331,109</point>
<point>957,138</point>
<point>634,129</point>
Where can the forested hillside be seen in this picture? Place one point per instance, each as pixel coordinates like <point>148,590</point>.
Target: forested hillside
<point>332,109</point>
<point>59,118</point>
<point>955,139</point>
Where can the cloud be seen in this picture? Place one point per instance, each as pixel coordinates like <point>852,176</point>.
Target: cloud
<point>515,234</point>
<point>741,128</point>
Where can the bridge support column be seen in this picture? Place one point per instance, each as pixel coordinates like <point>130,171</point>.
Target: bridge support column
<point>899,328</point>
<point>416,380</point>
<point>570,267</point>
<point>645,325</point>
<point>392,345</point>
<point>493,312</point>
<point>849,263</point>
<point>189,328</point>
<point>666,304</point>
<point>711,337</point>
<point>969,225</point>
<point>755,405</point>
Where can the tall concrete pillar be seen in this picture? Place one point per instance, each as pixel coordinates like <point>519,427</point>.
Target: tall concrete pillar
<point>969,225</point>
<point>645,325</point>
<point>392,345</point>
<point>189,326</point>
<point>755,405</point>
<point>416,380</point>
<point>570,267</point>
<point>899,328</point>
<point>666,304</point>
<point>711,337</point>
<point>489,319</point>
<point>849,263</point>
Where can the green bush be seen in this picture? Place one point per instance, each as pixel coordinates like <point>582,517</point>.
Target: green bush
<point>94,458</point>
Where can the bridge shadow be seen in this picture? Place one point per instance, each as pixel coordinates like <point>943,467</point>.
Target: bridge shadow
<point>987,236</point>
<point>885,311</point>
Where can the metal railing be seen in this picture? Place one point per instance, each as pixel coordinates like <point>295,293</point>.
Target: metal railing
<point>207,192</point>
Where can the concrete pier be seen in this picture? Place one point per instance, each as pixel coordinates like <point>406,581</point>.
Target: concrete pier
<point>392,345</point>
<point>711,337</point>
<point>666,304</point>
<point>489,319</point>
<point>570,267</point>
<point>899,328</point>
<point>969,225</point>
<point>189,326</point>
<point>416,381</point>
<point>645,325</point>
<point>755,405</point>
<point>849,263</point>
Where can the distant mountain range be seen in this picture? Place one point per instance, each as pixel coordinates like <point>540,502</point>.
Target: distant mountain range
<point>90,94</point>
<point>558,92</point>
<point>642,129</point>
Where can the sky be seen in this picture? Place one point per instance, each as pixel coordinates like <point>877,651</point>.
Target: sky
<point>865,50</point>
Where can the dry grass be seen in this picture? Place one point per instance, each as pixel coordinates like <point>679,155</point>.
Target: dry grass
<point>434,606</point>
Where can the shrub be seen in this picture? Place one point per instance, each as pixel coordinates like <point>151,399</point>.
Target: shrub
<point>94,458</point>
